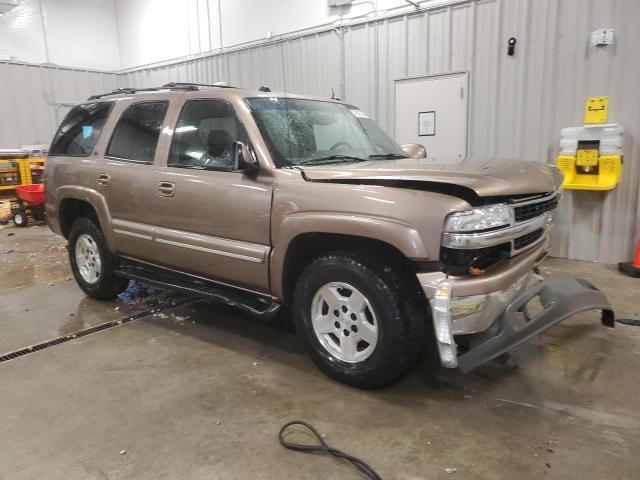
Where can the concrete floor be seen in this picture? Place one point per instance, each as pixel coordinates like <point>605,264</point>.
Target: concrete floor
<point>198,391</point>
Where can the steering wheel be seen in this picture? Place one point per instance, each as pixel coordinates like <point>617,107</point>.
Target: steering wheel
<point>341,144</point>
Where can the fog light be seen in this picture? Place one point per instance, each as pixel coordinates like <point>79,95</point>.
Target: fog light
<point>441,312</point>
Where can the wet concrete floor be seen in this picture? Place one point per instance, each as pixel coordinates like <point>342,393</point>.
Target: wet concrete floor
<point>199,391</point>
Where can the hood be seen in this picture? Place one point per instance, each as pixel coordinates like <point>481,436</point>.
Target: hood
<point>478,177</point>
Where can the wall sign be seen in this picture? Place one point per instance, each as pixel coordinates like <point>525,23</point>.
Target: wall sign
<point>426,124</point>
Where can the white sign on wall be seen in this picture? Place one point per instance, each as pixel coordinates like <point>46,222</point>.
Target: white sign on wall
<point>426,124</point>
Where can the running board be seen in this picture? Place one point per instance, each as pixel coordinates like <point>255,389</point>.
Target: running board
<point>252,304</point>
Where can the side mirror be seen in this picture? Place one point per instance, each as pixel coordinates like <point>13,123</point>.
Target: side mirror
<point>415,150</point>
<point>244,159</point>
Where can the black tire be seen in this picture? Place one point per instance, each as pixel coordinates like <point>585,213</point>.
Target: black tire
<point>107,285</point>
<point>37,213</point>
<point>397,306</point>
<point>20,218</point>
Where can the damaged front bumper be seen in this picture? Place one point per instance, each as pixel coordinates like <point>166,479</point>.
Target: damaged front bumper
<point>560,298</point>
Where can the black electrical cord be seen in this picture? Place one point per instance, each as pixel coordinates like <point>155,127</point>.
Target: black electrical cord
<point>628,321</point>
<point>322,447</point>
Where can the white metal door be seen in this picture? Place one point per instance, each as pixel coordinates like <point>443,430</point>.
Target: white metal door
<point>432,111</point>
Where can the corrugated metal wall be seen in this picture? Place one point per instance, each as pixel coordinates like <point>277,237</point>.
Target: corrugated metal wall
<point>517,104</point>
<point>28,94</point>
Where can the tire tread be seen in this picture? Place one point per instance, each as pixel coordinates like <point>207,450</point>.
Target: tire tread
<point>408,318</point>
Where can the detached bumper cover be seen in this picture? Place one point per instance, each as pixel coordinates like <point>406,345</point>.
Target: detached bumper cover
<point>561,297</point>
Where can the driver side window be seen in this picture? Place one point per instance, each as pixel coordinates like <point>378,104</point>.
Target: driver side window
<point>204,136</point>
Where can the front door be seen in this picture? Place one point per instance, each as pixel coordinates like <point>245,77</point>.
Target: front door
<point>211,219</point>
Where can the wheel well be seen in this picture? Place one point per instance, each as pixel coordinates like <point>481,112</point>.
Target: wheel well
<point>70,210</point>
<point>307,247</point>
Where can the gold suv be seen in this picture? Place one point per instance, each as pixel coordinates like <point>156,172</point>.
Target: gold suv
<point>260,199</point>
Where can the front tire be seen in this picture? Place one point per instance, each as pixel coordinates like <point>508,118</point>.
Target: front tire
<point>91,261</point>
<point>361,321</point>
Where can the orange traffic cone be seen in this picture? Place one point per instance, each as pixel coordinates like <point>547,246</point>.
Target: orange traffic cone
<point>632,268</point>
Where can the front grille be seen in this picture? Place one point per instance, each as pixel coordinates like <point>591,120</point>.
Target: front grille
<point>526,240</point>
<point>532,210</point>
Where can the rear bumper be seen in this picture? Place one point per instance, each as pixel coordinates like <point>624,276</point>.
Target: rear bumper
<point>561,297</point>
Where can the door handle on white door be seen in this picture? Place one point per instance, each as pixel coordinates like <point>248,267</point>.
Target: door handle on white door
<point>166,189</point>
<point>104,179</point>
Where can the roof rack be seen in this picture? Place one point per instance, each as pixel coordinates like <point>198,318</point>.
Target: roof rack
<point>190,84</point>
<point>166,86</point>
<point>128,90</point>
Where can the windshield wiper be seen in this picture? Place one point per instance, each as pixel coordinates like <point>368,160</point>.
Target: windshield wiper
<point>331,159</point>
<point>390,156</point>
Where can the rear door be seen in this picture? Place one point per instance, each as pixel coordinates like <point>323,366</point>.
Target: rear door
<point>211,219</point>
<point>126,178</point>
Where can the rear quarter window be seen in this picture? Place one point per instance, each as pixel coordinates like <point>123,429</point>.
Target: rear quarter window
<point>80,129</point>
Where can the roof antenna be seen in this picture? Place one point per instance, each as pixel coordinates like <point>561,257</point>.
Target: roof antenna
<point>264,88</point>
<point>333,96</point>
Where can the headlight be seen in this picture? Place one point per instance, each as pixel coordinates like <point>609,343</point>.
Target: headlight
<point>481,218</point>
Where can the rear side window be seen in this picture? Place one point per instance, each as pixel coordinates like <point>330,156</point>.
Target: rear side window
<point>136,135</point>
<point>80,129</point>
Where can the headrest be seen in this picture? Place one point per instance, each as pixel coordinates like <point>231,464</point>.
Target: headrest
<point>218,141</point>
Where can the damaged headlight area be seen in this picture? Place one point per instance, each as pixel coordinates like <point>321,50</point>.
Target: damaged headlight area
<point>459,261</point>
<point>474,240</point>
<point>480,219</point>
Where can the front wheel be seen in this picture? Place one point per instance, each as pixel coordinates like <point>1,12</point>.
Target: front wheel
<point>360,320</point>
<point>91,261</point>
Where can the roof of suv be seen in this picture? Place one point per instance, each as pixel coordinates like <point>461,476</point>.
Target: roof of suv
<point>173,88</point>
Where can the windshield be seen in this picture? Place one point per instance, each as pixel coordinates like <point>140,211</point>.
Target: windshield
<point>314,132</point>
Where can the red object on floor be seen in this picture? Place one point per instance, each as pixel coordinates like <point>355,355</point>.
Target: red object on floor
<point>632,268</point>
<point>31,194</point>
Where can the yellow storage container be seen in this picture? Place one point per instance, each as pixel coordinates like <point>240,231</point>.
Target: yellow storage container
<point>591,157</point>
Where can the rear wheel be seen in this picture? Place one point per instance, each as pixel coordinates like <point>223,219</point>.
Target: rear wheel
<point>20,218</point>
<point>91,261</point>
<point>360,320</point>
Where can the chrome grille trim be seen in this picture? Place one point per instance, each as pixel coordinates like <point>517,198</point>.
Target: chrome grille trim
<point>532,209</point>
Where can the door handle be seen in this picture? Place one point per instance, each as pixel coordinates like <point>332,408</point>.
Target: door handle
<point>104,179</point>
<point>166,189</point>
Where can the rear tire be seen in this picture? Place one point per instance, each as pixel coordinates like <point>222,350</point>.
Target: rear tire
<point>20,218</point>
<point>92,263</point>
<point>388,331</point>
